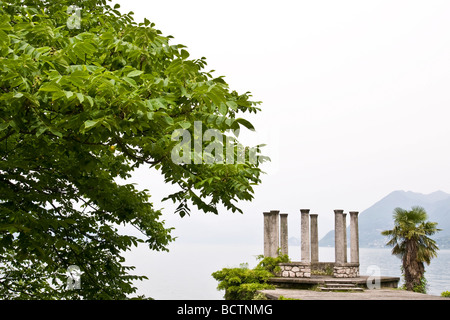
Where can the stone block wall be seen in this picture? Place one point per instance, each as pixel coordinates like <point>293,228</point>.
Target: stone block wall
<point>295,270</point>
<point>322,268</point>
<point>303,269</point>
<point>346,270</point>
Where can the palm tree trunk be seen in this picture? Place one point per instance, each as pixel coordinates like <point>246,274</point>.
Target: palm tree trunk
<point>413,269</point>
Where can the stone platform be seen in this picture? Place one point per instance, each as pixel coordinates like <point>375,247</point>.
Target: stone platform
<point>319,280</point>
<point>376,294</point>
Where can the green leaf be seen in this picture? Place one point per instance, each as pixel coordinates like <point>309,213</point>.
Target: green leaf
<point>56,132</point>
<point>134,73</point>
<point>184,54</point>
<point>185,124</point>
<point>232,105</point>
<point>130,81</point>
<point>57,95</point>
<point>90,123</point>
<point>80,97</point>
<point>107,36</point>
<point>79,52</point>
<point>50,88</point>
<point>4,23</point>
<point>169,120</point>
<point>40,131</point>
<point>245,123</point>
<point>158,104</point>
<point>4,125</point>
<point>68,94</point>
<point>91,101</point>
<point>17,82</point>
<point>32,98</point>
<point>223,109</point>
<point>4,39</point>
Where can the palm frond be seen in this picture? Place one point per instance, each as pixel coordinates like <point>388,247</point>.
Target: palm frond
<point>412,225</point>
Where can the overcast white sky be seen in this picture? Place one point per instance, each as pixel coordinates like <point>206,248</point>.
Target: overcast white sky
<point>355,96</point>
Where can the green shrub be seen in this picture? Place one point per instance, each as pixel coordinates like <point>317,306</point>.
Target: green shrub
<point>271,264</point>
<point>446,294</point>
<point>242,283</point>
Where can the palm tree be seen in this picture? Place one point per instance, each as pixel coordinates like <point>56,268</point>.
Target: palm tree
<point>410,242</point>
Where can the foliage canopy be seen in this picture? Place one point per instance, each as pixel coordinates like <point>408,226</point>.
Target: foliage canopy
<point>81,107</point>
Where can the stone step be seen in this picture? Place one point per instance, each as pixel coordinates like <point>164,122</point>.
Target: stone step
<point>337,284</point>
<point>340,288</point>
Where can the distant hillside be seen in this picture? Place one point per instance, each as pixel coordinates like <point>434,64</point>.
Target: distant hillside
<point>379,217</point>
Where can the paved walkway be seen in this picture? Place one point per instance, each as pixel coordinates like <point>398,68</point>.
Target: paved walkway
<point>378,294</point>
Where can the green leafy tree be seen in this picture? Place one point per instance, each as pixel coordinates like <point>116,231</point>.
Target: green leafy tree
<point>87,95</point>
<point>411,242</point>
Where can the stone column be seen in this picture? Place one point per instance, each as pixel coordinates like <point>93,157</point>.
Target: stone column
<point>271,233</point>
<point>276,231</point>
<point>339,236</point>
<point>267,234</point>
<point>284,233</point>
<point>314,238</point>
<point>305,253</point>
<point>354,237</point>
<point>344,219</point>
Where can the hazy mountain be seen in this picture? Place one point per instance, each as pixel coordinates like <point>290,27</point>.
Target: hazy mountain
<point>379,217</point>
<point>293,241</point>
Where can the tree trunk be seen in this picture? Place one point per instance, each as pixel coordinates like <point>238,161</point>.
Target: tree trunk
<point>413,269</point>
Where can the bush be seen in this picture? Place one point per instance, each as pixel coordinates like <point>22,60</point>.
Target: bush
<point>271,264</point>
<point>242,283</point>
<point>445,294</point>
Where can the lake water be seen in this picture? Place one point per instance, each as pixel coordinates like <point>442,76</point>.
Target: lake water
<point>184,273</point>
